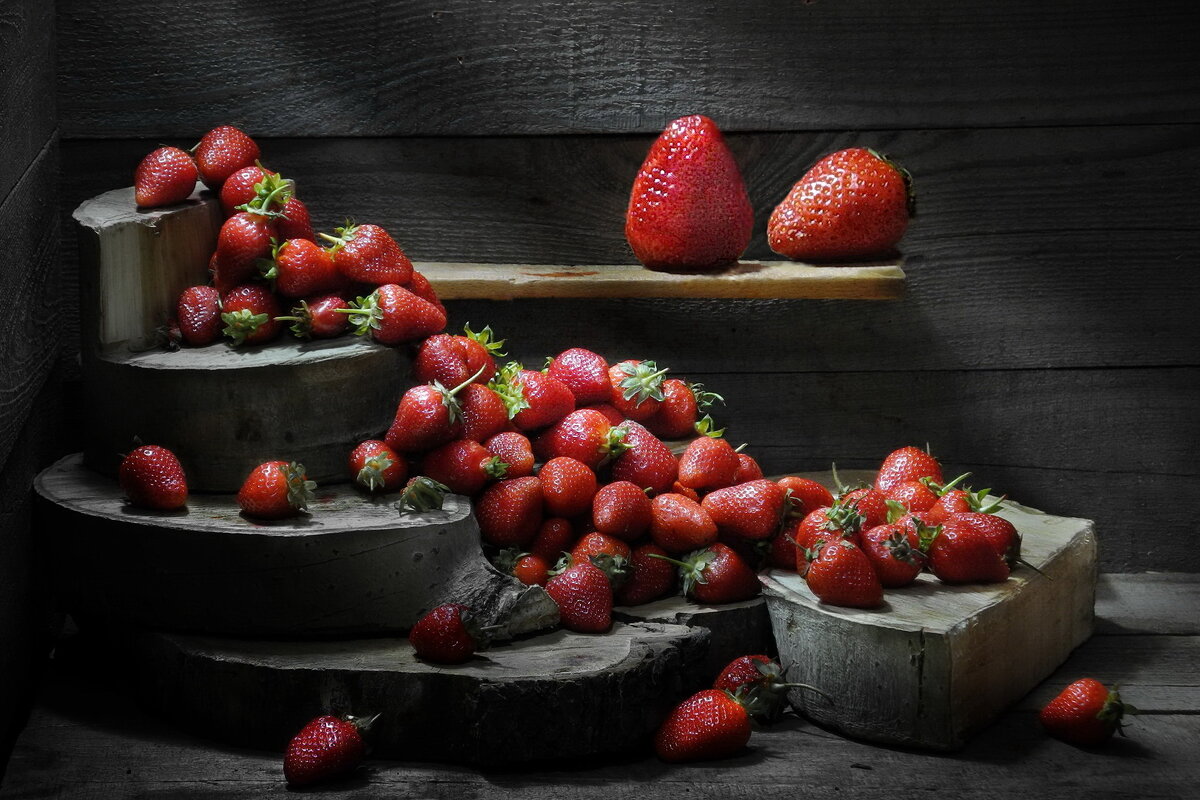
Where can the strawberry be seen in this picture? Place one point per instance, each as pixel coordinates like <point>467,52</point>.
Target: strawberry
<point>163,178</point>
<point>249,313</point>
<point>915,496</point>
<point>247,185</point>
<point>752,510</point>
<point>851,205</point>
<point>961,553</point>
<point>152,477</point>
<point>689,210</point>
<point>554,538</point>
<point>377,468</point>
<point>484,416</point>
<point>907,464</point>
<point>709,461</point>
<point>295,222</point>
<point>1085,713</point>
<point>584,597</point>
<point>621,509</point>
<point>596,543</point>
<point>368,254</point>
<point>274,490</point>
<point>326,747</point>
<point>958,501</point>
<point>300,268</point>
<point>716,574</point>
<point>421,494</point>
<point>393,315</point>
<point>198,312</point>
<point>464,466</point>
<point>513,449</point>
<point>761,678</point>
<point>1001,533</point>
<point>646,578</point>
<point>805,496</point>
<point>836,522</point>
<point>646,461</point>
<point>870,503</point>
<point>611,414</point>
<point>636,388</point>
<point>568,486</point>
<point>221,152</point>
<point>427,416</point>
<point>585,435</point>
<point>535,400</point>
<point>528,568</point>
<point>680,409</point>
<point>451,359</point>
<point>686,491</point>
<point>679,524</point>
<point>509,512</point>
<point>318,317</point>
<point>782,552</point>
<point>710,724</point>
<point>243,240</point>
<point>748,469</point>
<point>585,373</point>
<point>842,575</point>
<point>895,552</point>
<point>422,288</point>
<point>448,634</point>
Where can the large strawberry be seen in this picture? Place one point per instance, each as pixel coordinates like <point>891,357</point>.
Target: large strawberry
<point>535,400</point>
<point>484,414</point>
<point>426,417</point>
<point>646,578</point>
<point>958,501</point>
<point>510,512</point>
<point>752,510</point>
<point>851,205</point>
<point>804,495</point>
<point>554,538</point>
<point>961,553</point>
<point>300,268</point>
<point>710,724</point>
<point>449,634</point>
<point>152,477</point>
<point>275,489</point>
<point>251,184</point>
<point>568,486</point>
<point>748,469</point>
<point>761,678</point>
<point>1001,533</point>
<point>451,359</point>
<point>894,551</point>
<point>842,575</point>
<point>679,524</point>
<point>595,544</point>
<point>164,177</point>
<point>243,240</point>
<point>513,449</point>
<point>584,597</point>
<point>377,467</point>
<point>907,464</point>
<point>709,462</point>
<point>621,509</point>
<point>585,435</point>
<point>318,317</point>
<point>394,315</point>
<point>326,747</point>
<point>870,503</point>
<point>198,313</point>
<point>368,254</point>
<point>689,210</point>
<point>646,461</point>
<point>636,388</point>
<point>680,409</point>
<point>585,373</point>
<point>294,221</point>
<point>464,465</point>
<point>250,313</point>
<point>1085,713</point>
<point>221,152</point>
<point>716,574</point>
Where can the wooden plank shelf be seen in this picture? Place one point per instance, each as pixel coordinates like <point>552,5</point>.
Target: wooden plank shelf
<point>748,280</point>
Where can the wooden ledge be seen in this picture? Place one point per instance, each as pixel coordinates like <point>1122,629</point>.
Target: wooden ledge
<point>749,279</point>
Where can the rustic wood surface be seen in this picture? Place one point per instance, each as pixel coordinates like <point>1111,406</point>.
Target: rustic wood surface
<point>28,101</point>
<point>86,741</point>
<point>456,67</point>
<point>352,564</point>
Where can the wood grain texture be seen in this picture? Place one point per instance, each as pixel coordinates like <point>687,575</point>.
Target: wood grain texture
<point>28,117</point>
<point>1149,602</point>
<point>352,565</point>
<point>456,67</point>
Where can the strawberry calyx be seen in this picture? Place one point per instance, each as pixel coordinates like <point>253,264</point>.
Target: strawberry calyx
<point>343,236</point>
<point>704,399</point>
<point>840,488</point>
<point>508,384</point>
<point>925,535</point>
<point>241,324</point>
<point>844,518</point>
<point>757,703</point>
<point>299,488</point>
<point>614,443</point>
<point>485,338</point>
<point>363,724</point>
<point>365,313</point>
<point>691,567</point>
<point>902,550</point>
<point>370,477</point>
<point>1115,710</point>
<point>707,427</point>
<point>496,468</point>
<point>564,563</point>
<point>614,566</point>
<point>301,319</point>
<point>271,190</point>
<point>450,396</point>
<point>506,560</point>
<point>643,381</point>
<point>422,494</point>
<point>942,489</point>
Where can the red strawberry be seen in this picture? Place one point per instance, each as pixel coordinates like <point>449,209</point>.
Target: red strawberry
<point>295,222</point>
<point>1085,713</point>
<point>679,524</point>
<point>680,409</point>
<point>689,210</point>
<point>748,469</point>
<point>709,461</point>
<point>913,495</point>
<point>782,553</point>
<point>535,400</point>
<point>245,186</point>
<point>752,510</point>
<point>805,495</point>
<point>646,578</point>
<point>760,678</point>
<point>513,449</point>
<point>842,575</point>
<point>555,536</point>
<point>326,747</point>
<point>611,414</point>
<point>484,416</point>
<point>464,466</point>
<point>318,317</point>
<point>907,464</point>
<point>249,313</point>
<point>895,552</point>
<point>377,468</point>
<point>243,240</point>
<point>709,724</point>
<point>585,373</point>
<point>221,152</point>
<point>960,553</point>
<point>152,477</point>
<point>448,634</point>
<point>851,205</point>
<point>596,543</point>
<point>1001,533</point>
<point>394,315</point>
<point>646,462</point>
<point>829,524</point>
<point>427,416</point>
<point>636,388</point>
<point>165,177</point>
<point>686,491</point>
<point>529,569</point>
<point>958,501</point>
<point>568,486</point>
<point>198,313</point>
<point>715,575</point>
<point>871,504</point>
<point>584,597</point>
<point>368,254</point>
<point>621,509</point>
<point>422,288</point>
<point>275,489</point>
<point>585,435</point>
<point>510,512</point>
<point>451,359</point>
<point>301,268</point>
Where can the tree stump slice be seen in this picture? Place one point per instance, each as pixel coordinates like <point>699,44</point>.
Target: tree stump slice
<point>937,663</point>
<point>735,629</point>
<point>353,565</point>
<point>557,695</point>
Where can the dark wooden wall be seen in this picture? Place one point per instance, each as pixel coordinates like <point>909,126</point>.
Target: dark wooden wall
<point>1048,341</point>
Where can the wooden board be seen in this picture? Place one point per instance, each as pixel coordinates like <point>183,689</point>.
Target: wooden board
<point>352,565</point>
<point>557,695</point>
<point>938,663</point>
<point>28,96</point>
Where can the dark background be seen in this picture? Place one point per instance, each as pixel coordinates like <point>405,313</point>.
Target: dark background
<point>1048,341</point>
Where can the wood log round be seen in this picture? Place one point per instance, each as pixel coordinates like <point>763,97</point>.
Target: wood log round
<point>557,695</point>
<point>938,662</point>
<point>351,565</point>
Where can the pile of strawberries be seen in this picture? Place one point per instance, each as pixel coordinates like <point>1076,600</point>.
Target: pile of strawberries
<point>269,268</point>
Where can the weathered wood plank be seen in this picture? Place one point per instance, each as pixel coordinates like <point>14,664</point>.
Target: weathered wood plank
<point>28,116</point>
<point>457,67</point>
<point>1150,602</point>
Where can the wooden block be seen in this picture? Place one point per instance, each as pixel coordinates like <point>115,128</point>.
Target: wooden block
<point>556,695</point>
<point>938,663</point>
<point>352,565</point>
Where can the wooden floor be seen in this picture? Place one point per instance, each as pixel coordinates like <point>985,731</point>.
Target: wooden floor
<point>82,741</point>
